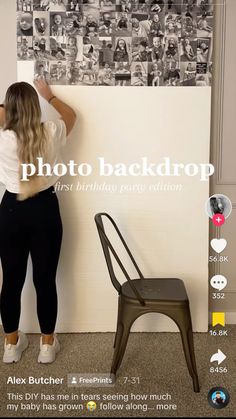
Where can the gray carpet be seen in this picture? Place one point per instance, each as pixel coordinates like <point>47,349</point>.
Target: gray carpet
<point>156,358</point>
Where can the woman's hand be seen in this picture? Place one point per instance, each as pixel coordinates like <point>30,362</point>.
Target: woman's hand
<point>43,89</point>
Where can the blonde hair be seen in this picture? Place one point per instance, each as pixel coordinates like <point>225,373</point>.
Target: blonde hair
<point>23,116</point>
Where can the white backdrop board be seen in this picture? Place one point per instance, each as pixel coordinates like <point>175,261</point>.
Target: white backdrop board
<point>166,229</point>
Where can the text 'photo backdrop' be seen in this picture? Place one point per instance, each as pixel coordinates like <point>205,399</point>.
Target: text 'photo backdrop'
<point>117,42</point>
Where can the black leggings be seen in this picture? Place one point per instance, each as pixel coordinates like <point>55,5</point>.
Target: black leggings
<point>31,226</point>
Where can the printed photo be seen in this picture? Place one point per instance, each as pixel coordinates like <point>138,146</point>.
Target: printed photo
<point>24,5</point>
<point>155,74</point>
<point>188,49</point>
<point>74,6</point>
<point>41,46</point>
<point>106,75</point>
<point>74,48</point>
<point>50,5</point>
<point>157,6</point>
<point>91,50</point>
<point>25,49</point>
<point>156,25</point>
<point>204,26</point>
<point>145,8</point>
<point>57,24</point>
<point>140,27</point>
<point>173,25</point>
<point>172,49</point>
<point>139,74</point>
<point>91,25</point>
<point>89,72</point>
<point>202,68</point>
<point>41,70</point>
<point>189,25</point>
<point>107,6</point>
<point>157,47</point>
<point>171,74</point>
<point>40,5</point>
<point>205,7</point>
<point>202,80</point>
<point>24,22</point>
<point>122,74</point>
<point>122,50</point>
<point>73,23</point>
<point>41,24</point>
<point>106,51</point>
<point>107,23</point>
<point>140,50</point>
<point>174,6</point>
<point>58,72</point>
<point>141,8</point>
<point>123,24</point>
<point>188,73</point>
<point>77,28</point>
<point>57,48</point>
<point>124,6</point>
<point>189,7</point>
<point>91,7</point>
<point>203,50</point>
<point>73,72</point>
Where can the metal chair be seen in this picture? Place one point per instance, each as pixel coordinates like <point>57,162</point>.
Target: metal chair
<point>145,295</point>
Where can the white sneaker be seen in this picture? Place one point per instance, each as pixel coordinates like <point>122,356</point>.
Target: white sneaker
<point>47,352</point>
<point>12,353</point>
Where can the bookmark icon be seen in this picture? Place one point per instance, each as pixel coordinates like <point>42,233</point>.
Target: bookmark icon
<point>218,318</point>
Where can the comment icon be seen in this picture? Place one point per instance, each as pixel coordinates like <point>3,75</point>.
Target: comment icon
<point>218,282</point>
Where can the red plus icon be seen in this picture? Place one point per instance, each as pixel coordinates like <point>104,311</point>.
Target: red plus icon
<point>218,220</point>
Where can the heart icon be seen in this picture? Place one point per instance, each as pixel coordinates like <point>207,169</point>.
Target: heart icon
<point>218,245</point>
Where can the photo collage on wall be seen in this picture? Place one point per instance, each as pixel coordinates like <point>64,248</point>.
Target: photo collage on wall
<point>117,42</point>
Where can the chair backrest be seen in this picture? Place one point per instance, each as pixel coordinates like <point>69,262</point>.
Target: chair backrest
<point>108,249</point>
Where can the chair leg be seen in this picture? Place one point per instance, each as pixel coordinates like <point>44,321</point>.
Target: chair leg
<point>117,325</point>
<point>120,348</point>
<point>126,317</point>
<point>185,325</point>
<point>115,339</point>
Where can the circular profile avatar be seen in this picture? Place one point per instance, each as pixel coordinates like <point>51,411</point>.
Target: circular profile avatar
<point>218,204</point>
<point>218,397</point>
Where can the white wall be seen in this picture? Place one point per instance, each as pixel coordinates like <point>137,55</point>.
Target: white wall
<point>167,231</point>
<point>7,45</point>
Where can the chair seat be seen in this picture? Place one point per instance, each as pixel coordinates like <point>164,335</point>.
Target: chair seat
<point>158,289</point>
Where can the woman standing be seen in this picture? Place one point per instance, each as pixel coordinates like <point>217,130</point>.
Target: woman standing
<point>30,221</point>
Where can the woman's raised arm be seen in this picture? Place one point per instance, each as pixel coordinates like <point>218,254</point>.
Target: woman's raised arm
<point>67,113</point>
